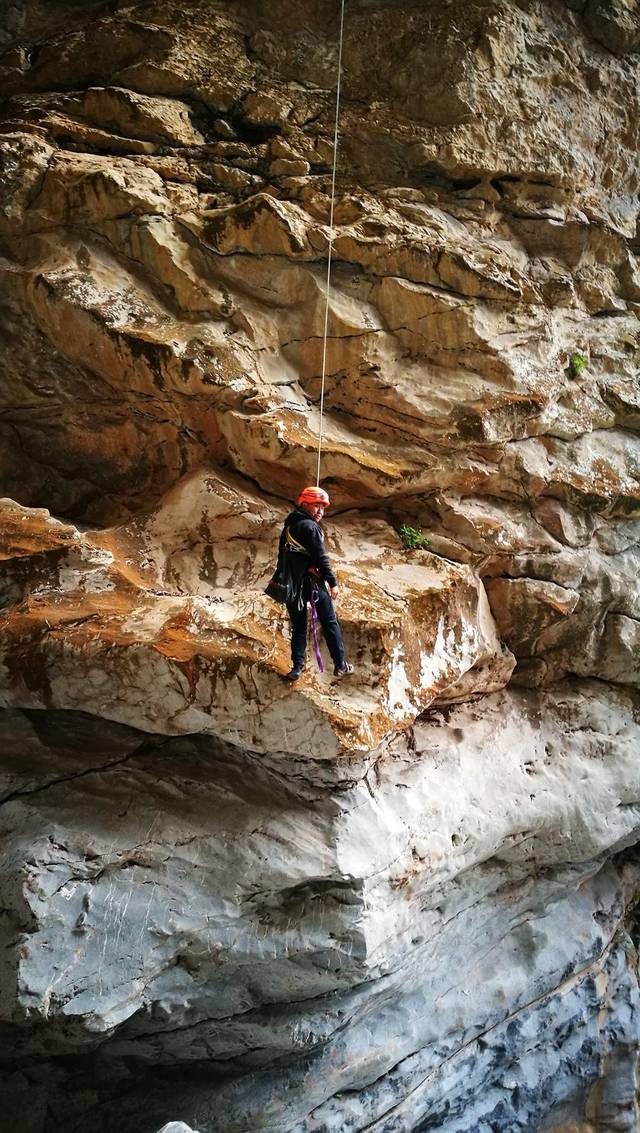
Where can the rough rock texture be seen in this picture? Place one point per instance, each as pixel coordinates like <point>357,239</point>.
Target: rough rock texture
<point>408,902</point>
<point>163,623</point>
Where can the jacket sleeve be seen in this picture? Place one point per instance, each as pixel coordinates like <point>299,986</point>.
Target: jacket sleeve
<point>311,539</point>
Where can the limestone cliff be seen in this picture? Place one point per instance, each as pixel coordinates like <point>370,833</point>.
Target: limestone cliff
<point>405,903</point>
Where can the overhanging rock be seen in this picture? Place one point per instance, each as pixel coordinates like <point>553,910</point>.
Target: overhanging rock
<point>163,624</point>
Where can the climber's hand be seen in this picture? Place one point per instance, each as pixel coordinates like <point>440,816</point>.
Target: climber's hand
<point>333,591</point>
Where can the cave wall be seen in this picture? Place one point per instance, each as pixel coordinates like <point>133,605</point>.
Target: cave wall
<point>402,903</point>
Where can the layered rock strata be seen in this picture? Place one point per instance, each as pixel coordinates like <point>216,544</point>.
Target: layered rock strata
<point>405,903</point>
<point>439,941</point>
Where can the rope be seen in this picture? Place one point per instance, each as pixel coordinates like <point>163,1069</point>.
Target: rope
<point>328,285</point>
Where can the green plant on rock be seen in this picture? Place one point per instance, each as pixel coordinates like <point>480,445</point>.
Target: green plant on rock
<point>577,363</point>
<point>413,538</point>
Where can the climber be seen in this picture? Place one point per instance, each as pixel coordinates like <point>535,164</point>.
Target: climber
<point>309,572</point>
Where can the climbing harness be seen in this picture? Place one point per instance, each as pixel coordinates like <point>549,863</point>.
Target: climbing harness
<point>330,249</point>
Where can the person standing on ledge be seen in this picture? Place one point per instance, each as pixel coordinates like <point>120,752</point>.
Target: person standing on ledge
<point>310,573</point>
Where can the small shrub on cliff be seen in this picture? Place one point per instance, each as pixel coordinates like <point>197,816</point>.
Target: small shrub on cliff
<point>413,538</point>
<point>577,363</point>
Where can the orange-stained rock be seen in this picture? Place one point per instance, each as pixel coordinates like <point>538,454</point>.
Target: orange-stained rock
<point>32,531</point>
<point>164,620</point>
<point>165,303</point>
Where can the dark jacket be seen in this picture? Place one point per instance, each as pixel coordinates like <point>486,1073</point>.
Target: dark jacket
<point>302,549</point>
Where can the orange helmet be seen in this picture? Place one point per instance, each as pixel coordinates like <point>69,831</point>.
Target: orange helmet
<point>314,496</point>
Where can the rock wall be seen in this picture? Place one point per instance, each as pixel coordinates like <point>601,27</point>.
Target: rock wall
<point>402,903</point>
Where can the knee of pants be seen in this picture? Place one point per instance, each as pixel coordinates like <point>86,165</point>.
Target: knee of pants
<point>331,629</point>
<point>331,622</point>
<point>326,607</point>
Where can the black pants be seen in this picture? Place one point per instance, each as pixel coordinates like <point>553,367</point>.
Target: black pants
<point>326,617</point>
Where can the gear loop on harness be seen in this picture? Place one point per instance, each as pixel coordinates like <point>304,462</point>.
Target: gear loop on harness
<point>330,248</point>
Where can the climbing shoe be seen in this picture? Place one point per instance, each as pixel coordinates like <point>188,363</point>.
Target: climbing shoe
<point>293,674</point>
<point>345,671</point>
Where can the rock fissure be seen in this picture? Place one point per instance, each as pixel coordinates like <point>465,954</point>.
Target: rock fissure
<point>149,746</point>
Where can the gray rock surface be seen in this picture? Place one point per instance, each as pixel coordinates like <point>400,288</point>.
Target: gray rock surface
<point>446,940</point>
<point>176,1127</point>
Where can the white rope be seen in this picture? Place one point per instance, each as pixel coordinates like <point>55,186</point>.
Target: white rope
<point>328,286</point>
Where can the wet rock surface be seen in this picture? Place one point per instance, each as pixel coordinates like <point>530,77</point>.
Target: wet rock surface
<point>405,902</point>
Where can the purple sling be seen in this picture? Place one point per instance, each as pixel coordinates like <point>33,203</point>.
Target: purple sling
<point>314,628</point>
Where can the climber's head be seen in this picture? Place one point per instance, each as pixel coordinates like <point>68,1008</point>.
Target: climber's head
<point>313,501</point>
